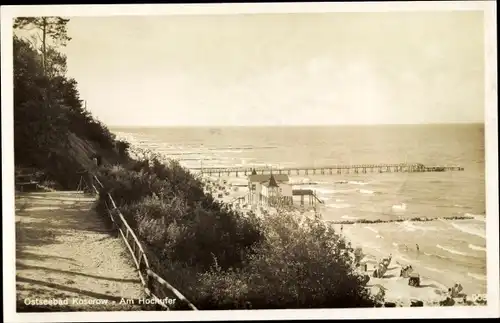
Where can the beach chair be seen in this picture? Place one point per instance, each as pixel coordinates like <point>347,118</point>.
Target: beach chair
<point>416,303</point>
<point>414,280</point>
<point>380,271</point>
<point>447,302</point>
<point>406,272</point>
<point>479,299</point>
<point>456,289</point>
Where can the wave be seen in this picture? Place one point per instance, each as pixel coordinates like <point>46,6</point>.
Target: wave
<point>232,151</point>
<point>406,260</point>
<point>331,183</point>
<point>371,229</point>
<point>241,148</point>
<point>321,191</point>
<point>474,247</point>
<point>345,191</point>
<point>477,276</point>
<point>356,183</point>
<point>296,180</point>
<point>453,251</point>
<point>409,226</point>
<point>478,217</point>
<point>196,159</point>
<point>348,217</point>
<point>469,230</point>
<point>170,153</point>
<point>399,207</point>
<point>434,269</point>
<point>363,191</point>
<point>435,255</point>
<point>339,206</point>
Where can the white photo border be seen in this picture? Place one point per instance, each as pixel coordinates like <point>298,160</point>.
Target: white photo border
<point>491,159</point>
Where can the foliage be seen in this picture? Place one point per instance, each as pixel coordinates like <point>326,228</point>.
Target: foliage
<point>221,259</point>
<point>53,27</point>
<point>46,28</point>
<point>171,213</point>
<point>53,132</point>
<point>297,266</point>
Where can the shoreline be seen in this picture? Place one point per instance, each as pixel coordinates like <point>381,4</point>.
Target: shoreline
<point>431,291</point>
<point>396,288</point>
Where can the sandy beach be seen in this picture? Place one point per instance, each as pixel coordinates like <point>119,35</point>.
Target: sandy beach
<point>396,288</point>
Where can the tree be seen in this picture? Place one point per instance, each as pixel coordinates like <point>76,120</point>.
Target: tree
<point>38,127</point>
<point>56,63</point>
<point>52,27</point>
<point>47,28</point>
<point>52,131</point>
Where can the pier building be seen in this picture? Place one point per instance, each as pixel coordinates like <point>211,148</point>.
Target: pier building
<point>269,189</point>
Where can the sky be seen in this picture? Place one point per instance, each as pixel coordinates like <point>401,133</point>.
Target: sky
<point>280,69</point>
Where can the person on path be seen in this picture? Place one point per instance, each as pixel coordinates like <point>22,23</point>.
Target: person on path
<point>96,162</point>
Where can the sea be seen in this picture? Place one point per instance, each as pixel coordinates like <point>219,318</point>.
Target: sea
<point>449,251</point>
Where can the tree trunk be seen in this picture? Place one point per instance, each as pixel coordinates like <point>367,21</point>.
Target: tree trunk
<point>44,45</point>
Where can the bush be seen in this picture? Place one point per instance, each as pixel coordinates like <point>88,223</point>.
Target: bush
<point>122,147</point>
<point>297,266</point>
<point>170,211</point>
<point>220,259</point>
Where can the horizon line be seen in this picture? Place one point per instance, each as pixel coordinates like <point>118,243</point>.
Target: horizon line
<point>291,125</point>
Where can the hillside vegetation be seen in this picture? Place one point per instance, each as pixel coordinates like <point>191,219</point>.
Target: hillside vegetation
<point>53,131</point>
<point>221,259</point>
<point>218,258</point>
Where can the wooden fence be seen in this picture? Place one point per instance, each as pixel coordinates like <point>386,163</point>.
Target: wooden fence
<point>155,286</point>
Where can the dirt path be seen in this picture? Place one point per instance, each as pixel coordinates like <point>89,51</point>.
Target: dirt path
<point>64,253</point>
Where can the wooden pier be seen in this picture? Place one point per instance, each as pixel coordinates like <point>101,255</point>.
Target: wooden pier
<point>327,170</point>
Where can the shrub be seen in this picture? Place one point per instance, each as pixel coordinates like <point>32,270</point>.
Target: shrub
<point>296,266</point>
<point>170,211</point>
<point>220,259</point>
<point>122,147</point>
